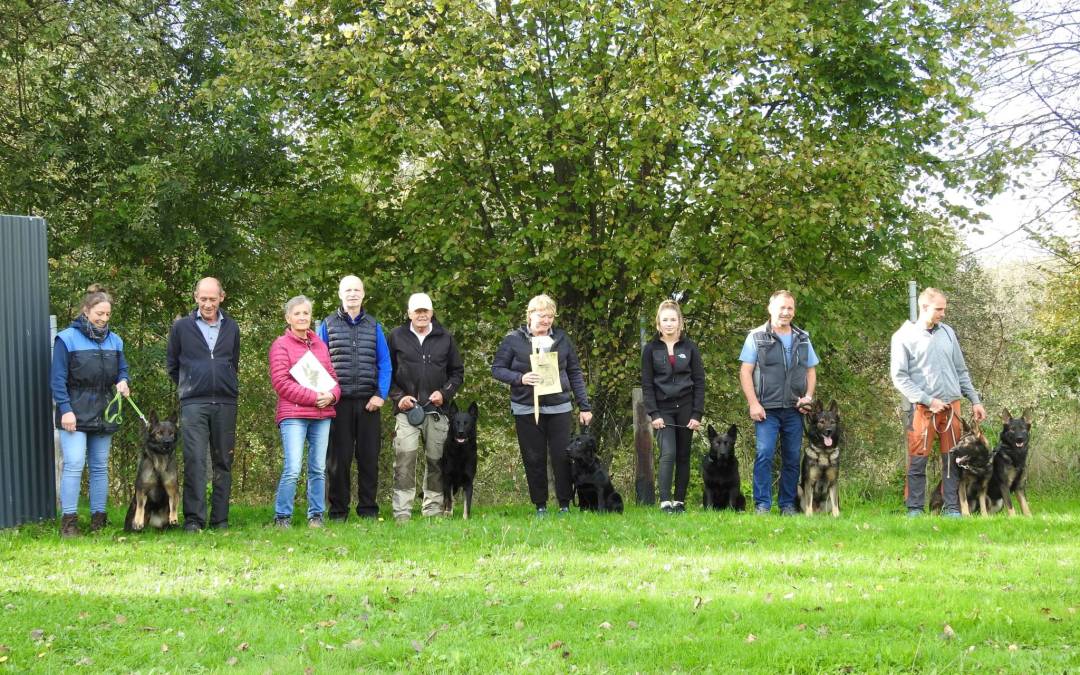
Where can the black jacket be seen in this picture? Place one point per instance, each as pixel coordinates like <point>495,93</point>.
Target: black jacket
<point>420,369</point>
<point>665,387</point>
<point>512,361</point>
<point>201,376</point>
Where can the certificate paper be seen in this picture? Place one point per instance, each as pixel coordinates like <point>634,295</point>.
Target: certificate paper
<point>311,374</point>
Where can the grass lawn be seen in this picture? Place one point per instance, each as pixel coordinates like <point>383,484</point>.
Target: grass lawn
<point>870,592</point>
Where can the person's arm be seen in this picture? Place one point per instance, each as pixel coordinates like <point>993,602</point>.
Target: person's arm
<point>382,355</point>
<point>282,380</point>
<point>746,379</point>
<point>235,358</point>
<point>324,334</point>
<point>900,373</point>
<point>811,383</point>
<point>122,375</point>
<point>172,353</point>
<point>58,374</point>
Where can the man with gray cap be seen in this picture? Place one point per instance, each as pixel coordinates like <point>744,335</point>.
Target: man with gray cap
<point>928,368</point>
<point>427,372</point>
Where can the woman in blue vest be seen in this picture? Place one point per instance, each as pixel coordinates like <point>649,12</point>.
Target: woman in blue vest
<point>673,389</point>
<point>88,364</point>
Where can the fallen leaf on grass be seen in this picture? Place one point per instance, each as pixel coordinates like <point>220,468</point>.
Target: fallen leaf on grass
<point>823,630</point>
<point>947,633</point>
<point>188,610</point>
<point>556,644</point>
<point>221,630</point>
<point>698,602</point>
<point>768,597</point>
<point>1044,610</point>
<point>3,659</point>
<point>330,623</point>
<point>417,646</point>
<point>1013,648</point>
<point>120,619</point>
<point>83,615</point>
<point>751,638</point>
<point>606,625</point>
<point>148,629</point>
<point>232,661</point>
<point>37,634</point>
<point>85,661</point>
<point>4,649</point>
<point>164,648</point>
<point>355,644</point>
<point>801,626</point>
<point>519,624</point>
<point>242,647</point>
<point>789,596</point>
<point>632,625</point>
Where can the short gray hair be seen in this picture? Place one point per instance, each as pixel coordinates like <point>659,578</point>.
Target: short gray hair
<point>297,300</point>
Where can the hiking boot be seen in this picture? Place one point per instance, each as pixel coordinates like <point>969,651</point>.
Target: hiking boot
<point>402,518</point>
<point>315,521</point>
<point>789,511</point>
<point>761,510</point>
<point>284,522</point>
<point>98,521</point>
<point>69,525</point>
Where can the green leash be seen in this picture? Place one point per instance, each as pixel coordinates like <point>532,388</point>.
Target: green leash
<point>116,417</point>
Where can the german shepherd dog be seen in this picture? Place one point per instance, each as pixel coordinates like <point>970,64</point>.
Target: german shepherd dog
<point>821,460</point>
<point>458,461</point>
<point>975,464</point>
<point>720,473</point>
<point>590,479</point>
<point>1010,464</point>
<point>157,487</point>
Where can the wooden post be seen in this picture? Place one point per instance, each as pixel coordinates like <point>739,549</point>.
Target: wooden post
<point>644,479</point>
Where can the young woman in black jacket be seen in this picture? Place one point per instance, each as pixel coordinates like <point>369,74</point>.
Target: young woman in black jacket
<point>673,387</point>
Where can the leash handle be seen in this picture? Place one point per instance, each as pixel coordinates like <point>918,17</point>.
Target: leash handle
<point>118,417</point>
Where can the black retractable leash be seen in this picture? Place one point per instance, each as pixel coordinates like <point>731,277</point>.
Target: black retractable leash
<point>418,413</point>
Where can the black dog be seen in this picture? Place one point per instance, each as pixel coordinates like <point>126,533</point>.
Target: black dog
<point>157,488</point>
<point>975,464</point>
<point>458,461</point>
<point>590,479</point>
<point>1010,464</point>
<point>720,473</point>
<point>821,461</point>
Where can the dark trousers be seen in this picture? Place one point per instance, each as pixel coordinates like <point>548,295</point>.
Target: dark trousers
<point>537,441</point>
<point>209,432</point>
<point>674,444</point>
<point>354,433</point>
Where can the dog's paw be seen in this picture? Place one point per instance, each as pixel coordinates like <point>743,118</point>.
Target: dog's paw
<point>137,526</point>
<point>173,520</point>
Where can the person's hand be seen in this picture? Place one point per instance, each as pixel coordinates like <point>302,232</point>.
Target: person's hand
<point>936,405</point>
<point>658,423</point>
<point>67,421</point>
<point>803,404</point>
<point>586,418</point>
<point>122,387</point>
<point>374,403</point>
<point>436,398</point>
<point>531,378</point>
<point>693,425</point>
<point>757,413</point>
<point>978,412</point>
<point>406,403</point>
<point>323,399</point>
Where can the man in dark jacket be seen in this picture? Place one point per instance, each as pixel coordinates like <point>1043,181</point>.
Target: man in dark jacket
<point>427,372</point>
<point>203,358</point>
<point>361,360</point>
<point>778,377</point>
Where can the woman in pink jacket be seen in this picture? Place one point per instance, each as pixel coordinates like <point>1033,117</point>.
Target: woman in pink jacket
<point>303,410</point>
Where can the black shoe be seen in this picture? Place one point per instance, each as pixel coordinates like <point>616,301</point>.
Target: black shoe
<point>564,510</point>
<point>541,512</point>
<point>339,517</point>
<point>192,527</point>
<point>220,526</point>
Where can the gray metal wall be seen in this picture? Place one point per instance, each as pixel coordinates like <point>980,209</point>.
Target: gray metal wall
<point>27,478</point>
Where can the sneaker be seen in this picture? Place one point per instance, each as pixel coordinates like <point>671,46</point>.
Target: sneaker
<point>761,510</point>
<point>98,521</point>
<point>667,507</point>
<point>951,514</point>
<point>315,521</point>
<point>541,512</point>
<point>284,522</point>
<point>564,510</point>
<point>788,511</point>
<point>678,507</point>
<point>915,513</point>
<point>69,525</point>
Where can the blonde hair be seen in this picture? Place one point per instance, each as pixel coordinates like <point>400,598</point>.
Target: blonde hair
<point>671,304</point>
<point>928,294</point>
<point>541,303</point>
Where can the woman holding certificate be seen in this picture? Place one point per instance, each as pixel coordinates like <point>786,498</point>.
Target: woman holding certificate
<point>539,363</point>
<point>307,387</point>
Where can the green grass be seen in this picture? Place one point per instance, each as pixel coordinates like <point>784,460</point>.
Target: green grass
<point>870,592</point>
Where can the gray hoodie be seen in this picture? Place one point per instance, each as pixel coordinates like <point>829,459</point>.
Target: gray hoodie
<point>928,364</point>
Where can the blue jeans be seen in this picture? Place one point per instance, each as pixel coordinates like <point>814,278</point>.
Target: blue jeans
<point>293,434</point>
<point>77,447</point>
<point>788,425</point>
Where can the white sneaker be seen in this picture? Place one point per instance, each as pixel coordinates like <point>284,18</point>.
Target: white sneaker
<point>667,507</point>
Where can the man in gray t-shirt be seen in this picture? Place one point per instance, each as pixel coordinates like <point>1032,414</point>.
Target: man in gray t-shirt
<point>928,368</point>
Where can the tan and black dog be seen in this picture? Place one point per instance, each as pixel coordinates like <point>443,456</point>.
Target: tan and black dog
<point>1011,464</point>
<point>821,461</point>
<point>974,461</point>
<point>157,490</point>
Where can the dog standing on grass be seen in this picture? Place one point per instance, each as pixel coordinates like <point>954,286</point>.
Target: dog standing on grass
<point>1011,465</point>
<point>721,487</point>
<point>157,487</point>
<point>821,461</point>
<point>458,461</point>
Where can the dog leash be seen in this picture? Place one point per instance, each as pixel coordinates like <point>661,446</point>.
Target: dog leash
<point>656,433</point>
<point>117,418</point>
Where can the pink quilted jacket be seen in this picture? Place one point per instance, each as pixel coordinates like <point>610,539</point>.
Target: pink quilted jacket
<point>294,399</point>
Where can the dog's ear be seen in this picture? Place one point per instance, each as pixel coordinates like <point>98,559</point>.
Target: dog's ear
<point>474,411</point>
<point>815,406</point>
<point>712,432</point>
<point>153,418</point>
<point>174,418</point>
<point>733,431</point>
<point>833,408</point>
<point>453,408</point>
<point>1027,417</point>
<point>965,426</point>
<point>1005,415</point>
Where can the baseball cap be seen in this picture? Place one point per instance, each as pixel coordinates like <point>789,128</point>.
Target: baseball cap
<point>420,301</point>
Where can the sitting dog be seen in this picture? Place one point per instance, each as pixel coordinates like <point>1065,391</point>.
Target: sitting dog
<point>157,488</point>
<point>458,461</point>
<point>589,477</point>
<point>720,473</point>
<point>1010,465</point>
<point>975,464</point>
<point>821,460</point>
